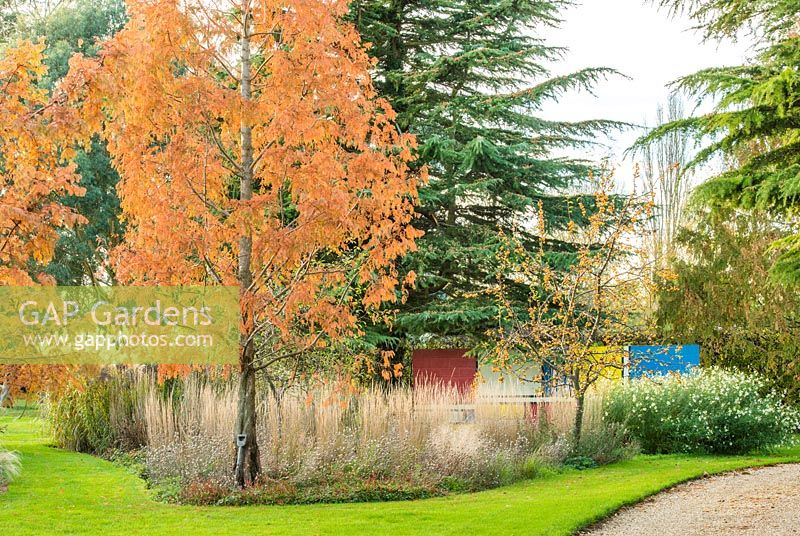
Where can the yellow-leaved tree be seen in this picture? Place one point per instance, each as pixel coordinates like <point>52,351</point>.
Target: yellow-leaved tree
<point>579,320</point>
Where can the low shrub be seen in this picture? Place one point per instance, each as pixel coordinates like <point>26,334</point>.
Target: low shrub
<point>707,411</point>
<point>282,492</point>
<point>194,458</point>
<point>580,462</point>
<point>601,442</point>
<point>536,467</point>
<point>556,450</point>
<point>609,443</point>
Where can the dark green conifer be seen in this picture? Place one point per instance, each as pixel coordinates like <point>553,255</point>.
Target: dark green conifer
<point>470,78</point>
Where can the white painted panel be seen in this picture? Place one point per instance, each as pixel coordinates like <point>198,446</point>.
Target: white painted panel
<point>511,384</point>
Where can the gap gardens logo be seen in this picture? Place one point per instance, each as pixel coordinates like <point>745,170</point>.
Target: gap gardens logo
<point>114,325</point>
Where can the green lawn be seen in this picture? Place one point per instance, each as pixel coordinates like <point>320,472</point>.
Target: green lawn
<point>63,492</point>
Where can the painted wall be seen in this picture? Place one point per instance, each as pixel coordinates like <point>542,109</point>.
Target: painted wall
<point>452,367</point>
<point>659,360</point>
<point>446,367</point>
<point>492,383</point>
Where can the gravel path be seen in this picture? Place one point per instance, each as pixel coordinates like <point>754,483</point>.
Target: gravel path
<point>757,502</point>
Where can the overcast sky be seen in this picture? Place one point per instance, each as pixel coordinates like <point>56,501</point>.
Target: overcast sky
<point>640,41</point>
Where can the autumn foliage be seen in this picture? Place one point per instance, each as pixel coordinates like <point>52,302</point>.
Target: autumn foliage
<point>38,135</point>
<point>328,168</point>
<point>253,151</point>
<point>37,138</point>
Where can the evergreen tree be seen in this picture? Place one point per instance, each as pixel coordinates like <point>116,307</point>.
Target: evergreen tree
<point>756,119</point>
<point>469,78</point>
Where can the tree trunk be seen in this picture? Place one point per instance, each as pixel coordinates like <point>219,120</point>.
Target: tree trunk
<point>250,465</point>
<point>580,403</point>
<point>248,469</point>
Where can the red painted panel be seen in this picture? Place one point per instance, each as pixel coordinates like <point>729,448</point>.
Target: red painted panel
<point>447,367</point>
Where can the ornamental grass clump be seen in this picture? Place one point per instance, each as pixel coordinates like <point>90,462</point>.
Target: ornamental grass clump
<point>326,441</point>
<point>707,411</point>
<point>9,465</point>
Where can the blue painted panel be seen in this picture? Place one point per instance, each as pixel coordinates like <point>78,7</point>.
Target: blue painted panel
<point>659,360</point>
<point>551,383</point>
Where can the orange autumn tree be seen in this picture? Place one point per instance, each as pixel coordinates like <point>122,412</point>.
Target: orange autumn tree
<point>254,152</point>
<point>38,135</point>
<point>36,145</point>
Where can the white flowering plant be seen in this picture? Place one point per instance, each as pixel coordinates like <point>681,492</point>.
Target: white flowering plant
<point>707,411</point>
